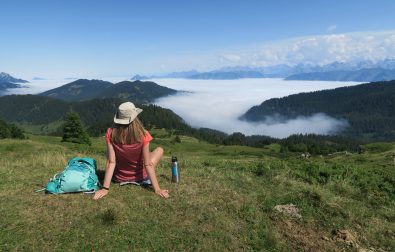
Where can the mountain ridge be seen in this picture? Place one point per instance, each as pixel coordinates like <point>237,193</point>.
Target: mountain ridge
<point>83,89</point>
<point>281,71</point>
<point>5,77</point>
<point>362,75</point>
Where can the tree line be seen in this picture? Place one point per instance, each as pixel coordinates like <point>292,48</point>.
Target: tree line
<point>97,115</point>
<point>368,108</point>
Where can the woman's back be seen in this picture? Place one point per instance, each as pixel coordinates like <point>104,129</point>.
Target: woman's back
<point>129,165</point>
<point>128,154</point>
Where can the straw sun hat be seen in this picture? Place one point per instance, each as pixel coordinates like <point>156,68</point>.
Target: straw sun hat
<point>126,113</point>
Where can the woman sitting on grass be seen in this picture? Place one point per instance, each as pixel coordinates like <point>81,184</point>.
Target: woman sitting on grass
<point>128,157</point>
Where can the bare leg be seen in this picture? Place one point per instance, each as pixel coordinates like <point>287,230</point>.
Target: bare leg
<point>156,156</point>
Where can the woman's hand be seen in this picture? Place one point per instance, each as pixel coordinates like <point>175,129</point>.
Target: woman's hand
<point>100,194</point>
<point>163,193</point>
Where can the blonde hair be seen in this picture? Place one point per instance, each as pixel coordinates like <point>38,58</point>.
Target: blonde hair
<point>128,134</point>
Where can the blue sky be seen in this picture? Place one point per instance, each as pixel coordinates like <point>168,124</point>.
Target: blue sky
<point>120,38</point>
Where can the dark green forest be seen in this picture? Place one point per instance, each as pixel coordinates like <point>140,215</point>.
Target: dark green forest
<point>96,114</point>
<point>368,108</point>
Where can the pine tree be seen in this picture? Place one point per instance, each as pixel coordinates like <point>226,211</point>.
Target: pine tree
<point>4,130</point>
<point>10,131</point>
<point>73,130</point>
<point>16,132</point>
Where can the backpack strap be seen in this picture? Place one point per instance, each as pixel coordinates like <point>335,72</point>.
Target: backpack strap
<point>52,179</point>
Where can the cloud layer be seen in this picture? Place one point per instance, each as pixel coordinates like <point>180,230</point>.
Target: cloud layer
<point>323,49</point>
<point>217,104</point>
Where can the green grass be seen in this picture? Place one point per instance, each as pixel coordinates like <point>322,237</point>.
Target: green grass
<point>225,200</point>
<point>41,128</point>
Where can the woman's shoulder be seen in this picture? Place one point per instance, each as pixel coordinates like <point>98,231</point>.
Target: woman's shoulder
<point>147,137</point>
<point>108,134</point>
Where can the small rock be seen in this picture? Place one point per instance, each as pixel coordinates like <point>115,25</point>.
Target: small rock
<point>366,250</point>
<point>289,209</point>
<point>347,237</point>
<point>325,238</point>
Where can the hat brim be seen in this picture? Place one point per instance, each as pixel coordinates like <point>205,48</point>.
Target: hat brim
<point>128,120</point>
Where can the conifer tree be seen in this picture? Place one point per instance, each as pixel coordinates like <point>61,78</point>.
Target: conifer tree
<point>10,131</point>
<point>4,130</point>
<point>74,131</point>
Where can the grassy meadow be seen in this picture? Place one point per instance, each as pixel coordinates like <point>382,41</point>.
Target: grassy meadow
<point>225,200</point>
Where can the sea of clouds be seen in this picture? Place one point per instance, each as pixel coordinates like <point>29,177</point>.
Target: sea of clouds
<point>217,104</point>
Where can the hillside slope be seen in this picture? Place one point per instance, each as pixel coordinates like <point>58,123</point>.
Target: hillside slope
<point>226,200</point>
<point>369,108</point>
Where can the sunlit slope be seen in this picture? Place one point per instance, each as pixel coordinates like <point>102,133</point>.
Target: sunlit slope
<point>225,200</point>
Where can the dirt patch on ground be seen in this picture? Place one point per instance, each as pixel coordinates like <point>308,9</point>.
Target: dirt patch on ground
<point>346,237</point>
<point>304,238</point>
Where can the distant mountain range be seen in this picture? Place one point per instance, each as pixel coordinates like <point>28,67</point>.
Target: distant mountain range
<point>362,75</point>
<point>136,91</point>
<point>369,108</point>
<point>220,74</point>
<point>7,81</point>
<point>350,71</point>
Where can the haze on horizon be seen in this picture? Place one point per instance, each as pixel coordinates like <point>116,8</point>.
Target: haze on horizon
<point>100,39</point>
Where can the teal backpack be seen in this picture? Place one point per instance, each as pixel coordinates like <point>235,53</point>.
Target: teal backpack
<point>78,176</point>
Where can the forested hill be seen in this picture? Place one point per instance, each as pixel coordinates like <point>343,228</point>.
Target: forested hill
<point>78,90</point>
<point>369,108</point>
<point>96,114</point>
<point>137,91</point>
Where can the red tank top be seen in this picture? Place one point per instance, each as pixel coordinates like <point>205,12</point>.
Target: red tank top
<point>129,159</point>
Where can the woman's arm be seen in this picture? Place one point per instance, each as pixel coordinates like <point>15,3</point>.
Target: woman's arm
<point>110,166</point>
<point>149,167</point>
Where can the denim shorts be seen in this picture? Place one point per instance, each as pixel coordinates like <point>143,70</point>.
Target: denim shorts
<point>144,182</point>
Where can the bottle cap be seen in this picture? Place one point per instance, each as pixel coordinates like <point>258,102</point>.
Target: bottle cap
<point>173,159</point>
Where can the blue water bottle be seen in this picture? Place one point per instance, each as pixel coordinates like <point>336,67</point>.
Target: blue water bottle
<point>175,172</point>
